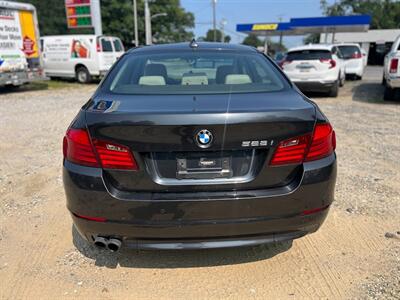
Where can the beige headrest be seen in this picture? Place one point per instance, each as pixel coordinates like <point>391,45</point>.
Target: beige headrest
<point>237,79</point>
<point>151,80</point>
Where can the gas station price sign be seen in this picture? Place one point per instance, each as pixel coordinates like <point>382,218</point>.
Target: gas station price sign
<point>79,13</point>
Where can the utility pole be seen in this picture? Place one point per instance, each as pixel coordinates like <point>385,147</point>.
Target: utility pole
<point>280,33</point>
<point>147,21</point>
<point>214,2</point>
<point>135,23</point>
<point>96,17</point>
<point>223,23</point>
<point>266,45</point>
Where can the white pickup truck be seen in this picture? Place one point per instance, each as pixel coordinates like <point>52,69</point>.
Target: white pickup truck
<point>391,71</point>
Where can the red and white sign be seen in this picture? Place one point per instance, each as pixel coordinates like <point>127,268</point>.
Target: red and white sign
<point>28,45</point>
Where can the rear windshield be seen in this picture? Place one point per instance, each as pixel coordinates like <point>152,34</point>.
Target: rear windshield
<point>309,55</point>
<point>194,72</point>
<point>349,51</point>
<point>118,45</point>
<point>106,45</point>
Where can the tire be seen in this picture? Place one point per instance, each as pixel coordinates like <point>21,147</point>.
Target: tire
<point>342,81</point>
<point>82,75</point>
<point>389,93</point>
<point>334,90</point>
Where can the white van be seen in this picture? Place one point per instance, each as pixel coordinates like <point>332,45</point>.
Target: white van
<point>80,56</point>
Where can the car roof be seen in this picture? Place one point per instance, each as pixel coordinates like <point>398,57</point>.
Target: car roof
<point>312,47</point>
<point>200,46</point>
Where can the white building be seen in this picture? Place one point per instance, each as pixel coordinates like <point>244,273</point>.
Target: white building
<point>375,42</point>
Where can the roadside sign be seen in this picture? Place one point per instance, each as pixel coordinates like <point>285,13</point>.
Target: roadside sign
<point>79,13</point>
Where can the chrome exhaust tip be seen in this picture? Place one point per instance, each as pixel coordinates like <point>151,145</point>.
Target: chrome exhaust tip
<point>100,242</point>
<point>114,245</point>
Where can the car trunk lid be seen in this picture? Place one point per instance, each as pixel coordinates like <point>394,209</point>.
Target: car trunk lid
<point>161,131</point>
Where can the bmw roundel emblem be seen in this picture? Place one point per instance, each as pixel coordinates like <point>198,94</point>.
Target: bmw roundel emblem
<point>204,138</point>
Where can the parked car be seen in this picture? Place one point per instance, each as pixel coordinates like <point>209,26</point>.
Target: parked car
<point>197,145</point>
<point>354,60</point>
<point>315,68</point>
<point>80,56</point>
<point>365,57</point>
<point>279,56</point>
<point>391,72</point>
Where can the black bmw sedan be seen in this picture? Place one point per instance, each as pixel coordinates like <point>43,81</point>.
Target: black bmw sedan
<point>197,145</point>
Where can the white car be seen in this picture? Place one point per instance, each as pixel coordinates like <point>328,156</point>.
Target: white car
<point>80,56</point>
<point>391,72</point>
<point>354,59</point>
<point>315,68</point>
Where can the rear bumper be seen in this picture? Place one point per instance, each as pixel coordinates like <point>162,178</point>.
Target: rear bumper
<point>103,73</point>
<point>20,77</point>
<point>315,86</point>
<point>237,233</point>
<point>393,82</point>
<point>192,221</point>
<point>355,70</point>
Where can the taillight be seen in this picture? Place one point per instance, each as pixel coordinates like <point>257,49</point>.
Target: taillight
<point>323,142</point>
<point>284,62</point>
<point>98,46</point>
<point>307,147</point>
<point>114,156</point>
<point>331,62</point>
<point>394,63</point>
<point>291,151</point>
<point>78,148</point>
<point>356,55</point>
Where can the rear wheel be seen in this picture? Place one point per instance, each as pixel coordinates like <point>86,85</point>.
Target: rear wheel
<point>334,91</point>
<point>82,75</point>
<point>389,93</point>
<point>342,80</point>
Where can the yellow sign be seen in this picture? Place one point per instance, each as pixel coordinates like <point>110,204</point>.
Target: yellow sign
<point>29,39</point>
<point>270,26</point>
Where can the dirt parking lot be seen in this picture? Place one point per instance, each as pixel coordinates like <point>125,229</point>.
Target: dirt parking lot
<point>356,254</point>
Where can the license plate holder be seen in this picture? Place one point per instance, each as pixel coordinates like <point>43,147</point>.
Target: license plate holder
<point>203,167</point>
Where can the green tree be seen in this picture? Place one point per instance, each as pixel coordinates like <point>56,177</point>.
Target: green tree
<point>312,38</point>
<point>210,36</point>
<point>117,20</point>
<point>274,47</point>
<point>385,13</point>
<point>252,40</point>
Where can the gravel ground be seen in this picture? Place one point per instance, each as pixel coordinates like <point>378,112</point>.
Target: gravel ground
<point>356,254</point>
<point>368,181</point>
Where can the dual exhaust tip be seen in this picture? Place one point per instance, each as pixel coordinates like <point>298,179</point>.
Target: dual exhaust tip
<point>111,244</point>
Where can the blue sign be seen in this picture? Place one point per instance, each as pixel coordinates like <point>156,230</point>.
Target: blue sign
<point>337,23</point>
